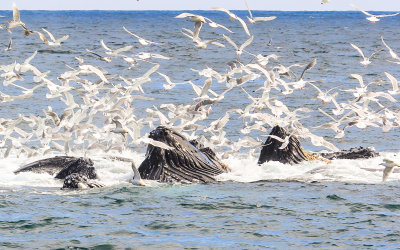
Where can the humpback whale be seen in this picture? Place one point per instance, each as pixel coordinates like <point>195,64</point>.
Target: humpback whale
<point>76,172</point>
<point>182,161</point>
<point>293,153</point>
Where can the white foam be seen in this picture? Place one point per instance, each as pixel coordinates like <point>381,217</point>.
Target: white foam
<point>244,169</point>
<point>352,171</point>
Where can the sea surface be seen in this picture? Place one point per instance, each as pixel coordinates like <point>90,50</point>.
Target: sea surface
<point>342,205</point>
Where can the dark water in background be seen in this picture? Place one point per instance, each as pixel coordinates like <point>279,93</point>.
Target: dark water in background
<point>230,214</point>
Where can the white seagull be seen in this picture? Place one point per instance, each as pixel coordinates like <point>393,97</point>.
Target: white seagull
<point>239,50</point>
<point>392,53</point>
<point>372,18</point>
<point>141,40</point>
<point>395,84</point>
<point>213,24</point>
<point>198,22</point>
<point>202,44</point>
<point>234,17</point>
<point>365,60</point>
<point>54,42</point>
<point>256,19</point>
<point>389,166</point>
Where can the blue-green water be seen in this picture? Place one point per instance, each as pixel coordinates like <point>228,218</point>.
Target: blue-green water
<point>224,215</point>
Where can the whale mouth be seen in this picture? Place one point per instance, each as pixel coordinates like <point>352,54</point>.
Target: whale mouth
<point>187,162</point>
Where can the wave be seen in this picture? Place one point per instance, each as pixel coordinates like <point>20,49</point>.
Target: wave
<point>244,169</point>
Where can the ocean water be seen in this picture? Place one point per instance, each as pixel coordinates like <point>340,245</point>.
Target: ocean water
<point>344,204</point>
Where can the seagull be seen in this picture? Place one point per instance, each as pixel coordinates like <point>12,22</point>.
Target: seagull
<point>156,143</point>
<point>9,45</point>
<point>256,19</point>
<point>202,44</point>
<point>285,141</point>
<point>372,18</point>
<point>42,37</point>
<point>137,179</point>
<point>103,58</point>
<point>395,84</point>
<point>392,53</point>
<point>365,60</point>
<point>170,84</point>
<point>325,1</point>
<point>54,42</point>
<point>213,24</point>
<point>300,83</point>
<point>198,22</point>
<point>389,166</point>
<point>234,17</point>
<point>323,96</point>
<point>334,124</point>
<point>239,50</point>
<point>141,40</point>
<point>146,55</point>
<point>116,51</point>
<point>122,129</point>
<point>16,19</point>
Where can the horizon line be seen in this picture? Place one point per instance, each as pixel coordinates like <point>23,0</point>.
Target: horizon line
<point>347,10</point>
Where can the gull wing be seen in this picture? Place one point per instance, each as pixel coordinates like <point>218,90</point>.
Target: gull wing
<point>227,38</point>
<point>213,24</point>
<point>184,15</point>
<point>386,172</point>
<point>188,31</point>
<point>49,34</point>
<point>158,56</point>
<point>388,15</point>
<point>62,39</point>
<point>247,5</point>
<point>96,71</point>
<point>123,49</point>
<point>363,11</point>
<point>104,45</point>
<point>318,89</point>
<point>196,88</point>
<point>94,53</point>
<point>29,59</point>
<point>358,49</point>
<point>359,78</point>
<point>308,67</point>
<point>222,9</point>
<point>197,28</point>
<point>130,32</point>
<point>42,37</point>
<point>247,43</point>
<point>138,37</point>
<point>217,43</point>
<point>392,53</point>
<point>393,80</point>
<point>166,78</point>
<point>264,18</point>
<point>328,115</point>
<point>151,71</point>
<point>16,14</point>
<point>190,36</point>
<point>9,44</point>
<point>206,86</point>
<point>244,25</point>
<point>376,51</point>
